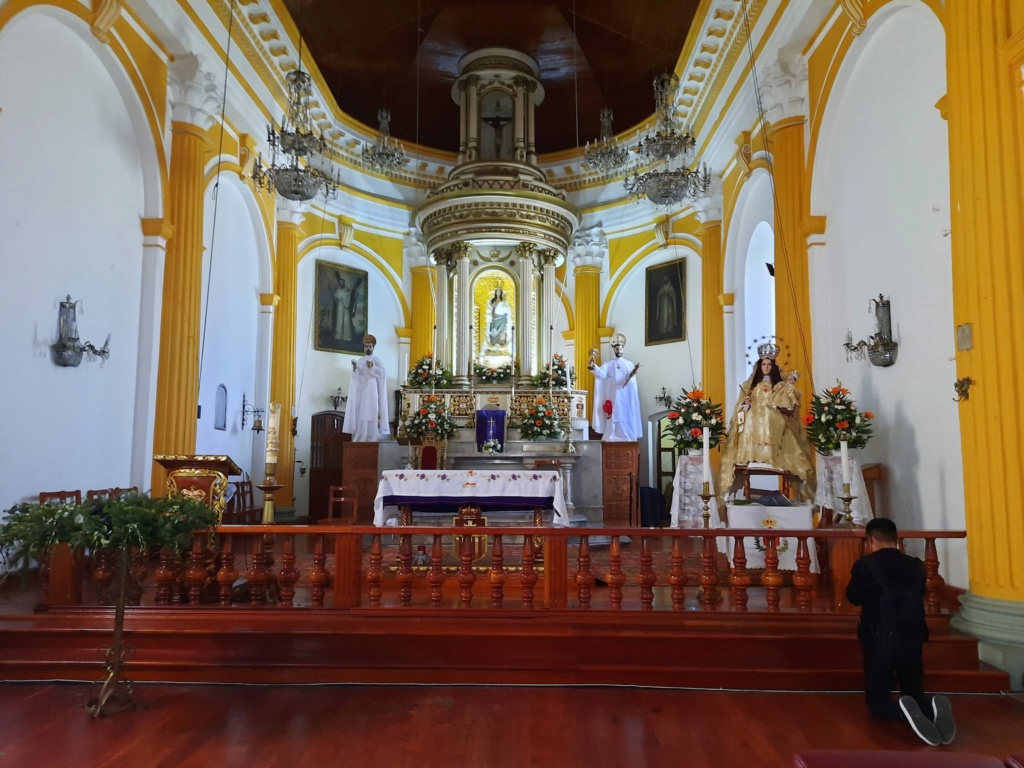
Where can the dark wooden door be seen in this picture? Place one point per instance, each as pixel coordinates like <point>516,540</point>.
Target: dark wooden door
<point>326,451</point>
<point>621,469</point>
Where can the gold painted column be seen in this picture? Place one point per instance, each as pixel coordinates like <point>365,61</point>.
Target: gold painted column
<point>193,101</point>
<point>785,97</point>
<point>985,110</point>
<point>282,358</point>
<point>713,319</point>
<point>424,310</point>
<point>588,252</point>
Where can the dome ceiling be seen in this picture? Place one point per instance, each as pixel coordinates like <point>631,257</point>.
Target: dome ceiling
<point>606,51</point>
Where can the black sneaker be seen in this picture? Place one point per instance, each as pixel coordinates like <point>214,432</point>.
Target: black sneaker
<point>922,726</point>
<point>943,719</point>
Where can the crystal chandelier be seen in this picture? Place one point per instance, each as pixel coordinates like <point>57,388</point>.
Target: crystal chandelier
<point>385,154</point>
<point>606,155</point>
<point>296,149</point>
<point>665,153</point>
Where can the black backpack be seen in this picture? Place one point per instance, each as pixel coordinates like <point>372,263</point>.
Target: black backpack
<point>901,628</point>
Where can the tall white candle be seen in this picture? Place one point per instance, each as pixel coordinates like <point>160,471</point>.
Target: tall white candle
<point>707,456</point>
<point>273,432</point>
<point>405,366</point>
<point>844,457</point>
<point>433,352</point>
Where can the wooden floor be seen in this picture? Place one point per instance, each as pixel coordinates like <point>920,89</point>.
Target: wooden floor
<point>483,727</point>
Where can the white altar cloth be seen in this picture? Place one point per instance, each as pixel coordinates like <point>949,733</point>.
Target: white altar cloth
<point>523,489</point>
<point>795,517</point>
<point>830,488</point>
<point>687,508</point>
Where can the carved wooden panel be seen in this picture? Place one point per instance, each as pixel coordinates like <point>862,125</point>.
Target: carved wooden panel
<point>359,468</point>
<point>621,472</point>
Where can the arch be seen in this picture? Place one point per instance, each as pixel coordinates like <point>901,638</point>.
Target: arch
<point>264,256</point>
<point>680,240</point>
<point>141,112</point>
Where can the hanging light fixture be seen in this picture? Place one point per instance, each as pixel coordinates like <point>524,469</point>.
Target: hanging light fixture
<point>665,152</point>
<point>385,154</point>
<point>296,162</point>
<point>606,155</point>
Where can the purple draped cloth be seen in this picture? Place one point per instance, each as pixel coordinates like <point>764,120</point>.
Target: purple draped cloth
<point>490,425</point>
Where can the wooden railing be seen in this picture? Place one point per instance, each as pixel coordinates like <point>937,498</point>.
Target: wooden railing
<point>534,573</point>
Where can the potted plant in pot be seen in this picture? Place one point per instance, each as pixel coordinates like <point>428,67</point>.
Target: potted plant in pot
<point>111,529</point>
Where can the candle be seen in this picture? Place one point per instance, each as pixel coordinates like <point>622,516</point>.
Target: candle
<point>844,457</point>
<point>707,456</point>
<point>405,365</point>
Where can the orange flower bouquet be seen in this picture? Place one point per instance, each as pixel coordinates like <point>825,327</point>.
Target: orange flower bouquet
<point>834,417</point>
<point>690,413</point>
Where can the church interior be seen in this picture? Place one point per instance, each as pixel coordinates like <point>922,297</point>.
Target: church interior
<point>369,274</point>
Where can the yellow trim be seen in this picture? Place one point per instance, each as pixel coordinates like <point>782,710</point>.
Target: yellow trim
<point>157,228</point>
<point>283,354</point>
<point>269,299</point>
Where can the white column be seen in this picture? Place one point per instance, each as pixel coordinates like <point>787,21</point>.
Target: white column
<point>156,233</point>
<point>524,314</point>
<point>465,299</point>
<point>549,258</point>
<point>531,145</point>
<point>473,120</point>
<point>444,347</point>
<point>261,393</point>
<point>463,118</point>
<point>519,120</point>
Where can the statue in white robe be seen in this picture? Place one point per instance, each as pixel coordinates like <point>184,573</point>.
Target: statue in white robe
<point>616,414</point>
<point>366,411</point>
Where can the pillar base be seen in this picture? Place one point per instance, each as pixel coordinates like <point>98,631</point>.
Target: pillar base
<point>999,626</point>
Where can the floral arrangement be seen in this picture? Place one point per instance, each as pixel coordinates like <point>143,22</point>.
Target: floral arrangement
<point>833,418</point>
<point>430,417</point>
<point>492,374</point>
<point>690,413</point>
<point>554,374</point>
<point>540,420</point>
<point>424,374</point>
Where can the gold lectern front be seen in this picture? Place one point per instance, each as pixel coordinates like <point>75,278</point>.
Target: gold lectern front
<point>204,478</point>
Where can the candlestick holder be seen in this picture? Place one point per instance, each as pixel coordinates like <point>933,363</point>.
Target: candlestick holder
<point>269,487</point>
<point>706,495</point>
<point>847,498</point>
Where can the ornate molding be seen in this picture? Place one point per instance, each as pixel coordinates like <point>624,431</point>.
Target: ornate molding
<point>589,247</point>
<point>709,207</point>
<point>784,88</point>
<point>290,212</point>
<point>854,9</point>
<point>192,92</point>
<point>522,218</point>
<point>104,15</point>
<point>414,249</point>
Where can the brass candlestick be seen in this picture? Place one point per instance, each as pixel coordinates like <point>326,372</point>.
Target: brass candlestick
<point>847,498</point>
<point>269,487</point>
<point>706,495</point>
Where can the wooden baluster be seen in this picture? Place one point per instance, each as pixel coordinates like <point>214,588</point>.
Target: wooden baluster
<point>677,577</point>
<point>227,574</point>
<point>934,584</point>
<point>466,576</point>
<point>616,578</point>
<point>195,574</point>
<point>405,576</point>
<point>497,571</point>
<point>164,577</point>
<point>803,579</point>
<point>103,576</point>
<point>374,576</point>
<point>289,573</point>
<point>646,577</point>
<point>739,578</point>
<point>771,578</point>
<point>584,576</point>
<point>528,576</point>
<point>436,575</point>
<point>138,572</point>
<point>709,595</point>
<point>257,573</point>
<point>319,576</point>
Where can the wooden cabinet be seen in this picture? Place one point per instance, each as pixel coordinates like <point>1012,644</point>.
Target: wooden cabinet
<point>335,460</point>
<point>620,464</point>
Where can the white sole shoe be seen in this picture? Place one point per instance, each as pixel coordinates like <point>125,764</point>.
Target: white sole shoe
<point>943,719</point>
<point>922,726</point>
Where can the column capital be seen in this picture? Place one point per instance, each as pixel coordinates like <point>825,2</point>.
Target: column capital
<point>784,88</point>
<point>414,250</point>
<point>192,91</point>
<point>289,212</point>
<point>589,247</point>
<point>443,258</point>
<point>157,232</point>
<point>709,207</point>
<point>461,249</point>
<point>525,250</point>
<point>550,257</point>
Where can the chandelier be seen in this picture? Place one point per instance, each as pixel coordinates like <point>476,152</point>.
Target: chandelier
<point>606,155</point>
<point>385,154</point>
<point>296,149</point>
<point>665,153</point>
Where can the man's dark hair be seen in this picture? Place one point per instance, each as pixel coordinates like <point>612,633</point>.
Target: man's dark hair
<point>882,529</point>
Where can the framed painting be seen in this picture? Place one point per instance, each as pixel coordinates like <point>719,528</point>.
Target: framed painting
<point>341,296</point>
<point>665,303</point>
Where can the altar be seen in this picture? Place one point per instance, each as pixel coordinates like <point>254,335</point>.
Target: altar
<point>795,517</point>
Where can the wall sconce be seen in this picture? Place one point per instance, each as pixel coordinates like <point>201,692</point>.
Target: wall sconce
<point>337,399</point>
<point>880,349</point>
<point>248,409</point>
<point>68,349</point>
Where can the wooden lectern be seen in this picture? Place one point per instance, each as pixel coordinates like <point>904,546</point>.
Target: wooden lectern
<point>199,477</point>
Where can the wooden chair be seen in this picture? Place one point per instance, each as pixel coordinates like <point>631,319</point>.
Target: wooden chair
<point>119,492</point>
<point>338,497</point>
<point>431,453</point>
<point>241,509</point>
<point>60,497</point>
<point>101,494</point>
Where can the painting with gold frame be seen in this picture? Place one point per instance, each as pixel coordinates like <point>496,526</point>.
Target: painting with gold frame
<point>341,296</point>
<point>665,303</point>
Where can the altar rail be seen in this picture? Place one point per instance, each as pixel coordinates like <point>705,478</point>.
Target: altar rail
<point>544,578</point>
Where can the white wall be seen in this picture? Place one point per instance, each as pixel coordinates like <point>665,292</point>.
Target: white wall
<point>671,366</point>
<point>70,212</point>
<point>229,321</point>
<point>319,374</point>
<point>881,176</point>
<point>759,287</point>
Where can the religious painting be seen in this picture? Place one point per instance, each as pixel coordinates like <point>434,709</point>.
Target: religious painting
<point>494,318</point>
<point>665,303</point>
<point>340,299</point>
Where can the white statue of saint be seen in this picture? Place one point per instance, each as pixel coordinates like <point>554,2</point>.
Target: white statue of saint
<point>366,411</point>
<point>616,414</point>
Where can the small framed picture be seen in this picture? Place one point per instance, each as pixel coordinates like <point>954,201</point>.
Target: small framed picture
<point>341,300</point>
<point>665,308</point>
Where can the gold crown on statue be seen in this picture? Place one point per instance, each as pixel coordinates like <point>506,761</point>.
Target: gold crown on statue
<point>768,350</point>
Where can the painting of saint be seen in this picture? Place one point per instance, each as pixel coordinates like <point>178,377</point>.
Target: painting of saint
<point>665,315</point>
<point>341,299</point>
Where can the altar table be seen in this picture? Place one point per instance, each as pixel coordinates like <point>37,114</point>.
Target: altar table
<point>830,488</point>
<point>687,508</point>
<point>795,517</point>
<point>489,489</point>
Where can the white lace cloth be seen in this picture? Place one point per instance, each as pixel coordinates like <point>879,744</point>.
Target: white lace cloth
<point>687,509</point>
<point>760,516</point>
<point>830,488</point>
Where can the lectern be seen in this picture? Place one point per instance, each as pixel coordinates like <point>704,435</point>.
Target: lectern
<point>204,478</point>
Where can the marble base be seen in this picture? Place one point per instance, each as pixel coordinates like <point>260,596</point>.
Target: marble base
<point>999,626</point>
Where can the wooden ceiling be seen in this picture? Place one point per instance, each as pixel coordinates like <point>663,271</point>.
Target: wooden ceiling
<point>592,53</point>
